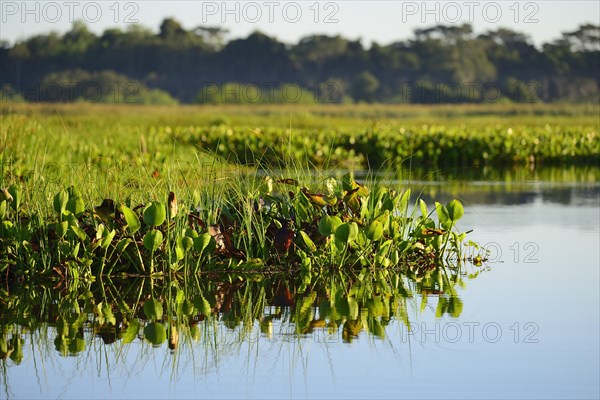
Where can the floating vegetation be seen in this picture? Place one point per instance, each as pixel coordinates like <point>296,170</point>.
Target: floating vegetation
<point>167,311</point>
<point>390,144</point>
<point>266,224</point>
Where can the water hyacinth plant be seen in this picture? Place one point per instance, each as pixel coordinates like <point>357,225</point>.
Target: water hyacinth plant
<point>265,225</point>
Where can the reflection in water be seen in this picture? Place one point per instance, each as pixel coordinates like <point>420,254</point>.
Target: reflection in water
<point>575,185</point>
<point>219,312</point>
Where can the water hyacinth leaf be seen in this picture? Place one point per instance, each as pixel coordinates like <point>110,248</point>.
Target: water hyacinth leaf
<point>76,205</point>
<point>455,210</point>
<point>202,305</point>
<point>455,306</point>
<point>100,231</point>
<point>155,333</point>
<point>191,233</point>
<point>205,242</point>
<point>70,218</point>
<point>155,214</point>
<point>317,199</point>
<point>107,240</point>
<point>60,202</point>
<point>346,232</point>
<point>403,205</point>
<point>61,228</point>
<point>442,212</point>
<point>186,243</point>
<point>179,253</point>
<point>107,314</point>
<point>328,224</point>
<point>423,205</point>
<point>384,219</point>
<point>133,222</point>
<point>17,354</point>
<point>73,192</point>
<point>352,200</point>
<point>153,240</point>
<point>132,331</point>
<point>75,251</point>
<point>188,308</point>
<point>153,309</point>
<point>348,181</point>
<point>122,244</point>
<point>388,205</point>
<point>308,242</point>
<point>352,308</point>
<point>375,231</point>
<point>363,191</point>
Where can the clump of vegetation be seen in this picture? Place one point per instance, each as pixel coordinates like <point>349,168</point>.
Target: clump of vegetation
<point>425,145</point>
<point>262,225</point>
<point>168,312</point>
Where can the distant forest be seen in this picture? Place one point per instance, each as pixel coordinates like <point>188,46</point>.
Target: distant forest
<point>440,64</point>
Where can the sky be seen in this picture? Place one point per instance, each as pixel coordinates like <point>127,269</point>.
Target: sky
<point>372,21</point>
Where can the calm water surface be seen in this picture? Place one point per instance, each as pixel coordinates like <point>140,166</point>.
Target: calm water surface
<point>529,327</point>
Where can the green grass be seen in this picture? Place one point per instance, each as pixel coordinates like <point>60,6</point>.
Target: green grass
<point>63,162</point>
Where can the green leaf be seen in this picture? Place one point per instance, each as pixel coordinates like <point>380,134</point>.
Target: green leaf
<point>106,241</point>
<point>352,200</point>
<point>348,181</point>
<point>152,240</point>
<point>153,309</point>
<point>403,205</point>
<point>441,308</point>
<point>205,242</point>
<point>61,228</point>
<point>186,243</point>
<point>328,224</point>
<point>108,315</point>
<point>442,213</point>
<point>191,233</point>
<point>455,307</point>
<point>79,232</point>
<point>424,211</point>
<point>133,222</point>
<point>375,231</point>
<point>2,209</point>
<point>347,232</point>
<point>179,253</point>
<point>122,244</point>
<point>155,214</point>
<point>202,305</point>
<point>76,205</point>
<point>455,210</point>
<point>155,333</point>
<point>132,331</point>
<point>60,202</point>
<point>308,242</point>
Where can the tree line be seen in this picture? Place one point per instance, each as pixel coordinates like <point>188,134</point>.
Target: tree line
<point>439,64</point>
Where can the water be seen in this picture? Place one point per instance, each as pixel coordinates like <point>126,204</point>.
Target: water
<point>528,328</point>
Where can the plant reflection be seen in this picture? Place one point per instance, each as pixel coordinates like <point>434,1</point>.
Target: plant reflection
<point>223,307</point>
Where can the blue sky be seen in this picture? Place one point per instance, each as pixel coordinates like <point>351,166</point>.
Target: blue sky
<point>380,21</point>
